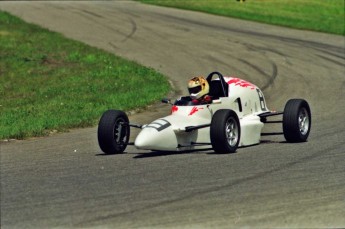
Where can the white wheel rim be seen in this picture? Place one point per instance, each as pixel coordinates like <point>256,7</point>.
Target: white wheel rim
<point>118,132</point>
<point>303,121</point>
<point>231,131</point>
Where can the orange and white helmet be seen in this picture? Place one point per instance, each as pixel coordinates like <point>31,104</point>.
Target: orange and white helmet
<point>198,87</point>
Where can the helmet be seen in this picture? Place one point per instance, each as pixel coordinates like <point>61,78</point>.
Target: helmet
<point>198,87</point>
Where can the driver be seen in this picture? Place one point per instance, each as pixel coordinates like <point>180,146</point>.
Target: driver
<point>198,89</point>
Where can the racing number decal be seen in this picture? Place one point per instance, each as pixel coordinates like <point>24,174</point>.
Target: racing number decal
<point>194,110</point>
<point>262,100</point>
<point>159,126</point>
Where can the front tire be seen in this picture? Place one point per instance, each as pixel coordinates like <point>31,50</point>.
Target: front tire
<point>225,131</point>
<point>113,132</point>
<point>296,120</point>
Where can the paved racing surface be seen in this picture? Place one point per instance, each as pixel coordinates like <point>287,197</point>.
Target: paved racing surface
<point>65,181</point>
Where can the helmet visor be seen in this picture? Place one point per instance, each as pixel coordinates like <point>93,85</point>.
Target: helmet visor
<point>194,90</point>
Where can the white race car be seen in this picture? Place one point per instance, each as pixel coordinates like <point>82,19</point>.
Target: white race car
<point>234,118</point>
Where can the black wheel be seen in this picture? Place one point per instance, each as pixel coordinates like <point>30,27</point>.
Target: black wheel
<point>113,131</point>
<point>225,131</point>
<point>296,120</point>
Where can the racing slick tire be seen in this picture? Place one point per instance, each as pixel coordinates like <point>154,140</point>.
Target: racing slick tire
<point>225,131</point>
<point>296,120</point>
<point>113,132</point>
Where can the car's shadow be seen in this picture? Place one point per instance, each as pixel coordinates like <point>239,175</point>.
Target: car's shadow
<point>272,142</point>
<point>209,151</point>
<point>152,154</point>
<point>170,153</point>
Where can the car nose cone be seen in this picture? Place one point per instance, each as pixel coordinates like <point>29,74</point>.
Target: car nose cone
<point>158,135</point>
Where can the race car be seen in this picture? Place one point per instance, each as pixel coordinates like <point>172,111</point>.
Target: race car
<point>234,118</point>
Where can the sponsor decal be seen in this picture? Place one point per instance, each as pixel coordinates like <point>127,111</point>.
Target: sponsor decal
<point>241,83</point>
<point>194,110</point>
<point>174,109</point>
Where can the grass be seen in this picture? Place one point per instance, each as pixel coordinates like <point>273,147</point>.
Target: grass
<point>50,83</point>
<point>318,15</point>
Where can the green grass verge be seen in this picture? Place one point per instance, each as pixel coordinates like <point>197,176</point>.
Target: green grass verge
<point>48,82</point>
<point>318,15</point>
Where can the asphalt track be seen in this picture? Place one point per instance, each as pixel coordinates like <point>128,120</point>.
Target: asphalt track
<point>64,181</point>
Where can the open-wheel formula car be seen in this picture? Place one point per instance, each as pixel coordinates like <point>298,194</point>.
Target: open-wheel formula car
<point>235,117</point>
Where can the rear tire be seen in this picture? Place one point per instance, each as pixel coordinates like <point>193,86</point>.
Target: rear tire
<point>296,120</point>
<point>113,132</point>
<point>225,131</point>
